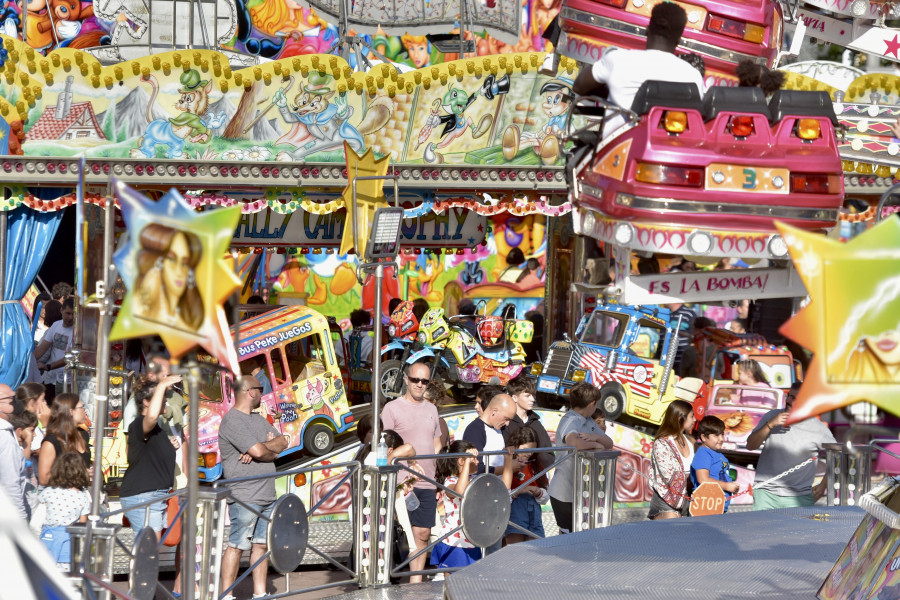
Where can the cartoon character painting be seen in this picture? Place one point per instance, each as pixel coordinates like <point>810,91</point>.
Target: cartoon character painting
<point>320,124</point>
<point>546,142</point>
<point>455,102</point>
<point>192,124</point>
<point>9,18</point>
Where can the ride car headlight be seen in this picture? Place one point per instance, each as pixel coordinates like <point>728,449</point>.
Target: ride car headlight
<point>639,374</point>
<point>537,369</point>
<point>700,242</point>
<point>624,233</point>
<point>587,221</point>
<point>579,375</point>
<point>777,246</point>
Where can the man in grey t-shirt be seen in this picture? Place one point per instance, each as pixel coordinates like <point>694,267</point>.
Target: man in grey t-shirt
<point>248,445</point>
<point>784,448</point>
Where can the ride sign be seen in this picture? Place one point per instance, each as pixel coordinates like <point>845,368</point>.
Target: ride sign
<point>707,499</point>
<point>705,286</point>
<point>456,227</point>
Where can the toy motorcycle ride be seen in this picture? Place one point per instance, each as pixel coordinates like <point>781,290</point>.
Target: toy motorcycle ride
<point>465,351</point>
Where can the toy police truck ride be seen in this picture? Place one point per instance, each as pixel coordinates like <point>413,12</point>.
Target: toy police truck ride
<point>627,352</point>
<point>308,402</point>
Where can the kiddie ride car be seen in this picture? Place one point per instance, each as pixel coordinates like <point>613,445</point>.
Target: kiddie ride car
<point>466,350</point>
<point>722,32</point>
<point>706,177</point>
<point>308,401</point>
<point>627,352</point>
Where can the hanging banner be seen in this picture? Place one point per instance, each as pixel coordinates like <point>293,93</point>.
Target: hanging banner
<point>455,228</point>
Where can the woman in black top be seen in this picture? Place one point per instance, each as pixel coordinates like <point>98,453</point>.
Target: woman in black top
<point>151,457</point>
<point>64,433</point>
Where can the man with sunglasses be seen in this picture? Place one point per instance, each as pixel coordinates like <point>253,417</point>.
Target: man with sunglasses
<point>249,446</point>
<point>417,421</point>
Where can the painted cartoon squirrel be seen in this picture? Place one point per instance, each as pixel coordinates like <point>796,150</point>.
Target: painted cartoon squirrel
<point>192,124</point>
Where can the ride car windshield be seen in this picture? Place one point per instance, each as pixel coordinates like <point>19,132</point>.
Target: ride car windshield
<point>604,329</point>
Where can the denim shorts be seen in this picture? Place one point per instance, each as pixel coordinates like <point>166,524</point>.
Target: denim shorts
<point>247,527</point>
<point>137,516</point>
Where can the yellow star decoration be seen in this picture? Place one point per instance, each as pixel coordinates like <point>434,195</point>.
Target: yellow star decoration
<point>177,276</point>
<point>852,323</point>
<point>369,196</point>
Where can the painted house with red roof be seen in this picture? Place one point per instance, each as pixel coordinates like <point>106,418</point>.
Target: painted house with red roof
<point>67,121</point>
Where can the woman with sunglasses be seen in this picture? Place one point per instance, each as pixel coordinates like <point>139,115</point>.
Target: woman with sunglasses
<point>64,433</point>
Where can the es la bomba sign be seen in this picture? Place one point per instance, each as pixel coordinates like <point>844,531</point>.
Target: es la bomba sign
<point>456,227</point>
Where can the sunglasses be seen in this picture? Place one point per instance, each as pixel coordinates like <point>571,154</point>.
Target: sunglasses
<point>418,380</point>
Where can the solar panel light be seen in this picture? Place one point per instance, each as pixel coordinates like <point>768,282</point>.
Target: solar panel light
<point>384,240</point>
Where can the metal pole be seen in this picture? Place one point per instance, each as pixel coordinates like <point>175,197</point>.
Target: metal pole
<point>190,43</point>
<point>376,359</point>
<point>103,322</point>
<point>189,516</point>
<point>78,334</point>
<point>4,220</point>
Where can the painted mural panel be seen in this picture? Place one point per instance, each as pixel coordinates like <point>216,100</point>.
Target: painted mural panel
<point>192,106</point>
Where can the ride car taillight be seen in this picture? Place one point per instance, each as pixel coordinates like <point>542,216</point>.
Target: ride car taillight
<point>616,3</point>
<point>669,175</point>
<point>810,183</point>
<point>736,29</point>
<point>675,121</point>
<point>808,129</point>
<point>741,126</point>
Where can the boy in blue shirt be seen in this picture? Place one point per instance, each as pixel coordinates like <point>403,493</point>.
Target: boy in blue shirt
<point>709,464</point>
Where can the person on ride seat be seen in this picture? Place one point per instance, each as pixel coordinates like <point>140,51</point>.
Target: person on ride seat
<point>619,73</point>
<point>466,308</point>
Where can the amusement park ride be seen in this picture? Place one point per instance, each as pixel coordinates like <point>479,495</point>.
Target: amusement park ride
<point>234,111</point>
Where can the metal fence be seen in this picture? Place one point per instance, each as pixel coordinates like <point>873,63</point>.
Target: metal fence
<point>484,520</point>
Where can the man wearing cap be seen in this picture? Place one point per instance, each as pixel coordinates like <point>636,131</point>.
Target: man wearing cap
<point>12,459</point>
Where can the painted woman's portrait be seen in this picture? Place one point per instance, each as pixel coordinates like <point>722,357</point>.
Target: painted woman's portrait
<point>166,283</point>
<point>876,358</point>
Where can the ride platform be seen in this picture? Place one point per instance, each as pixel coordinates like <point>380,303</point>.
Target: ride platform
<point>769,554</point>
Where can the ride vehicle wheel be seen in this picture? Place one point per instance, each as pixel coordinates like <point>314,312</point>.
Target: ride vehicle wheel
<point>391,378</point>
<point>318,439</point>
<point>612,400</point>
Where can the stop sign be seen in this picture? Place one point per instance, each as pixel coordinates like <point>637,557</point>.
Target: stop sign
<point>708,499</point>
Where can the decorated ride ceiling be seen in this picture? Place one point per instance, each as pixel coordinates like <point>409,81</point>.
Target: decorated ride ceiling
<point>249,32</point>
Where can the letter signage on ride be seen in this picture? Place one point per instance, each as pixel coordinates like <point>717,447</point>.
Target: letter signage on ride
<point>708,286</point>
<point>455,228</point>
<point>708,499</point>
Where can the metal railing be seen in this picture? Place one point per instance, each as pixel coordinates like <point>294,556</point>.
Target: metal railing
<point>100,538</point>
<point>848,473</point>
<point>374,492</point>
<point>292,545</point>
<point>593,492</point>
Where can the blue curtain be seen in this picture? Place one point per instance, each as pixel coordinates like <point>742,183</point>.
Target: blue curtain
<point>29,234</point>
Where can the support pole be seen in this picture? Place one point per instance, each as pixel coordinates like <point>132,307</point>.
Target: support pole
<point>376,359</point>
<point>189,531</point>
<point>4,221</point>
<point>103,322</point>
